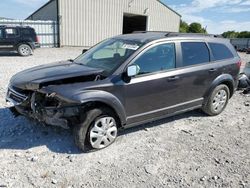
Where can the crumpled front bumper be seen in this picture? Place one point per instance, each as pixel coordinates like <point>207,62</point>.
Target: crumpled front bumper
<point>19,103</point>
<point>14,98</point>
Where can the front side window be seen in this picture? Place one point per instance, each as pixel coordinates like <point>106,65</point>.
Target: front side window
<point>158,58</point>
<point>220,51</point>
<point>11,33</point>
<point>109,54</point>
<point>194,53</point>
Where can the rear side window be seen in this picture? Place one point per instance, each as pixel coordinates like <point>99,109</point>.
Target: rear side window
<point>194,53</point>
<point>220,51</point>
<point>11,33</point>
<point>26,32</point>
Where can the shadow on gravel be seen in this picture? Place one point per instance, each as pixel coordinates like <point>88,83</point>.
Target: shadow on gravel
<point>9,54</point>
<point>22,134</point>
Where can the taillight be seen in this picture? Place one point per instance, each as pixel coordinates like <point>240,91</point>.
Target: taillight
<point>239,64</point>
<point>37,39</point>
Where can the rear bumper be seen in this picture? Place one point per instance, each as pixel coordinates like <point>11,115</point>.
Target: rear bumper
<point>37,45</point>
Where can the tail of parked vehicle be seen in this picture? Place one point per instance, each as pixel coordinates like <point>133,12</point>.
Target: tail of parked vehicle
<point>24,40</point>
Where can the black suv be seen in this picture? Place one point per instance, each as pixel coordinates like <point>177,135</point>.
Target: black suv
<point>128,80</point>
<point>21,39</point>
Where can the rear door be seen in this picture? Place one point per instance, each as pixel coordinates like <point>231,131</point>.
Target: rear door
<point>198,72</point>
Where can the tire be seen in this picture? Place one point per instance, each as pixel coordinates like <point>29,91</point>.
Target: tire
<point>217,100</point>
<point>94,132</point>
<point>24,50</point>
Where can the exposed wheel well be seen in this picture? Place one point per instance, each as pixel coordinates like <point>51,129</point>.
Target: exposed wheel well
<point>20,43</point>
<point>229,84</point>
<point>96,104</point>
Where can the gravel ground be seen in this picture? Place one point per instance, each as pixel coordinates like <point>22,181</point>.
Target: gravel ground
<point>188,150</point>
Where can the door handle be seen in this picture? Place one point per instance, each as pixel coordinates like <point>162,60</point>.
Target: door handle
<point>212,70</point>
<point>173,78</point>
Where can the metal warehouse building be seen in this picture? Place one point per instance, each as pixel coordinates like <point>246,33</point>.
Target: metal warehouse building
<point>86,22</point>
<point>241,43</point>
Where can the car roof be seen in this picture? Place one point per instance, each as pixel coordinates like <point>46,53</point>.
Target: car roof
<point>149,36</point>
<point>21,27</point>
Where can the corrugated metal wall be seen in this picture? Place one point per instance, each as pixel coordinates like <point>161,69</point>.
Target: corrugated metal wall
<point>86,22</point>
<point>241,42</point>
<point>47,31</point>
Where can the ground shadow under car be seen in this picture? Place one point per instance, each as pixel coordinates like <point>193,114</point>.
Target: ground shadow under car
<point>9,54</point>
<point>22,134</point>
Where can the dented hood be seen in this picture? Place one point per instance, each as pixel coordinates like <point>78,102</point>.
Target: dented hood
<point>52,74</point>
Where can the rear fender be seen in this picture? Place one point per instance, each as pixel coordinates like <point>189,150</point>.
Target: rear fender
<point>32,46</point>
<point>226,79</point>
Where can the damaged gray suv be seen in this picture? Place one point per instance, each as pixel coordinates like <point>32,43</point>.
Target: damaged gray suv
<point>126,81</point>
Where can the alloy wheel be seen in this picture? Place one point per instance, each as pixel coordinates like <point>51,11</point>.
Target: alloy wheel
<point>219,100</point>
<point>25,50</point>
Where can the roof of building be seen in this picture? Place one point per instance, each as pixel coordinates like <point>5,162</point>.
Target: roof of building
<point>54,0</point>
<point>169,7</point>
<point>50,1</point>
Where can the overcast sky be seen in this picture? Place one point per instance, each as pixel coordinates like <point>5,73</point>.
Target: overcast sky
<point>217,15</point>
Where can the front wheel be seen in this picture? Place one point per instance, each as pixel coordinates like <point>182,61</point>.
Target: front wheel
<point>217,101</point>
<point>98,130</point>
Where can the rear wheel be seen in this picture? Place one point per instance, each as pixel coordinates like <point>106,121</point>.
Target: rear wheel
<point>98,130</point>
<point>24,50</point>
<point>217,100</point>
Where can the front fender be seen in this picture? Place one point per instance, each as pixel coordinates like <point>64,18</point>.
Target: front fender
<point>107,98</point>
<point>104,97</point>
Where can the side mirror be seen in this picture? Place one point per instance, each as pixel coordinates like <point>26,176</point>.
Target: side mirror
<point>133,70</point>
<point>84,51</point>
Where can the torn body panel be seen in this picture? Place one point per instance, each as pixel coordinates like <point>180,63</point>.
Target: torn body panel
<point>54,74</point>
<point>47,109</point>
<point>28,93</point>
<point>58,105</point>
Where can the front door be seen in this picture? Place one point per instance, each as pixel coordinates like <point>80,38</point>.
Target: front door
<point>2,39</point>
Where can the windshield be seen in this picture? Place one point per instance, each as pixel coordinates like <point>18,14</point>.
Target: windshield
<point>108,55</point>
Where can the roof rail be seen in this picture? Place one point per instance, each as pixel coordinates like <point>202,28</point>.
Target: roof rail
<point>15,26</point>
<point>150,32</point>
<point>173,34</point>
